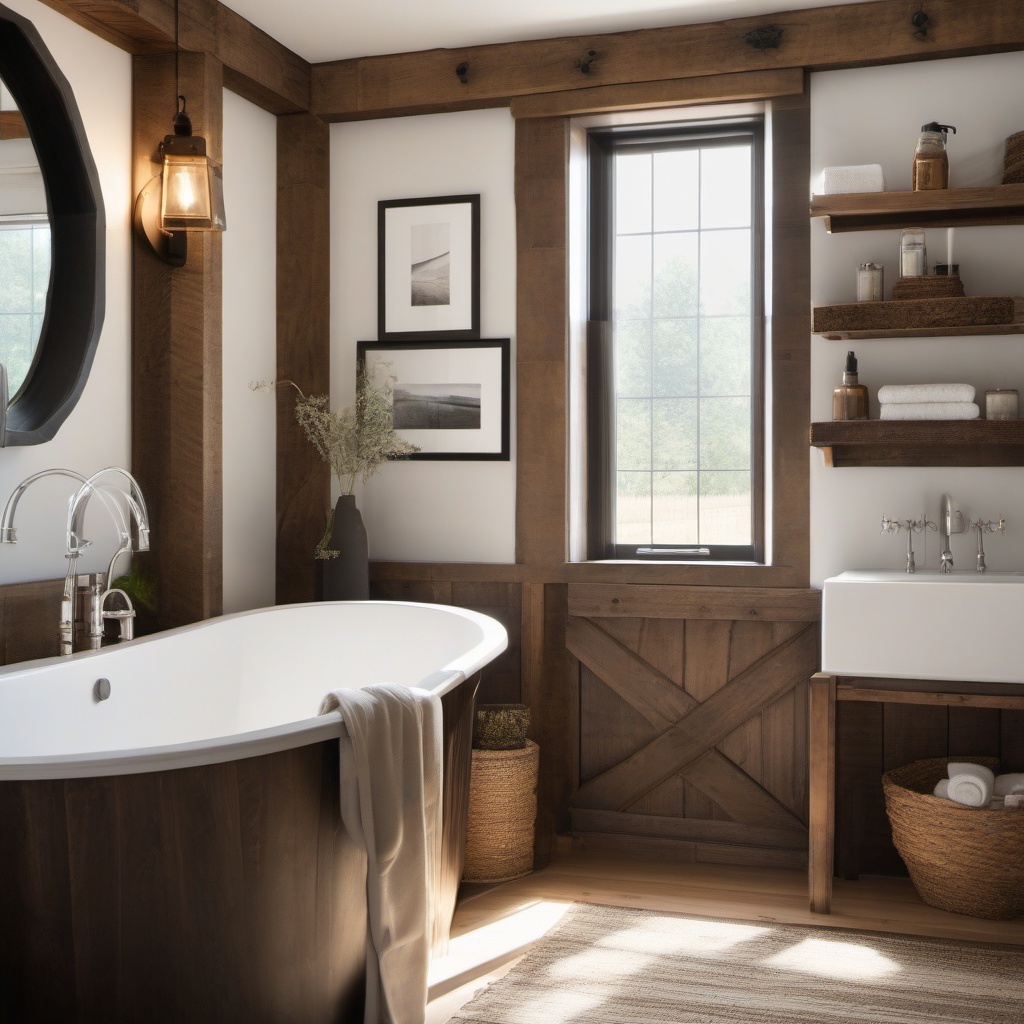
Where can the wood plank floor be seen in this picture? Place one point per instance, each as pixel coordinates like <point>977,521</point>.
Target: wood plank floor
<point>495,926</point>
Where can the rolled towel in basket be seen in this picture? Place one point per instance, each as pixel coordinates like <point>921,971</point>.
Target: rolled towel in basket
<point>1004,785</point>
<point>855,178</point>
<point>942,788</point>
<point>970,784</point>
<point>929,411</point>
<point>925,393</point>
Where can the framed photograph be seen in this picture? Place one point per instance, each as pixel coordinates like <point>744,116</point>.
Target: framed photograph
<point>428,268</point>
<point>450,398</point>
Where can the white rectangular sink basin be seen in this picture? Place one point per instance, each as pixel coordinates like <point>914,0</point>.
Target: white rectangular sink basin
<point>963,626</point>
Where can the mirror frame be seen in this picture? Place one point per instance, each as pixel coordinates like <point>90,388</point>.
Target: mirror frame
<point>75,300</point>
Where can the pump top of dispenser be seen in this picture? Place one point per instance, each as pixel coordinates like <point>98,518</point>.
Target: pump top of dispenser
<point>934,126</point>
<point>851,363</point>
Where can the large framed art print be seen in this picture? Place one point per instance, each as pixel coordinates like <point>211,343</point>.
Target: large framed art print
<point>428,268</point>
<point>449,398</point>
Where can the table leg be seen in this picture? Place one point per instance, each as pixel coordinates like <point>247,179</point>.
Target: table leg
<point>822,780</point>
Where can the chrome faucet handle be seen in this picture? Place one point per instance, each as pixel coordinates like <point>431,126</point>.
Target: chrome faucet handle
<point>984,526</point>
<point>124,617</point>
<point>912,526</point>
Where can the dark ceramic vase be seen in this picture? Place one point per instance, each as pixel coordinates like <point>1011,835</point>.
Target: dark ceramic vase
<point>346,577</point>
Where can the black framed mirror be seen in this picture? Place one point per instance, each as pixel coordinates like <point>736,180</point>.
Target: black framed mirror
<point>67,324</point>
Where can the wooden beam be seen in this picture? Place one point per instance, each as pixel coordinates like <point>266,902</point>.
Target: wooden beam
<point>690,829</point>
<point>658,602</point>
<point>256,66</point>
<point>303,344</point>
<point>851,35</point>
<point>822,763</point>
<point>674,92</point>
<point>950,700</point>
<point>541,184</point>
<point>176,362</point>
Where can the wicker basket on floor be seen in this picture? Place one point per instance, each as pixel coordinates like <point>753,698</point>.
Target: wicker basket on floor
<point>969,860</point>
<point>502,811</point>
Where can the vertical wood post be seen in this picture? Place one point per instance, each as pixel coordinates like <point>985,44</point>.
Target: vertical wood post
<point>303,343</point>
<point>822,771</point>
<point>176,359</point>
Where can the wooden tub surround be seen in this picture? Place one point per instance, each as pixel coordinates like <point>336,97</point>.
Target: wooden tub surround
<point>226,892</point>
<point>926,695</point>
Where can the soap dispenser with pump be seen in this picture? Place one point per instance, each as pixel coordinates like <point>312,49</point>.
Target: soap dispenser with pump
<point>850,400</point>
<point>931,164</point>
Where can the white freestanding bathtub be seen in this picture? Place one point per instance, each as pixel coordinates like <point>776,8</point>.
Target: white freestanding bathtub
<point>175,851</point>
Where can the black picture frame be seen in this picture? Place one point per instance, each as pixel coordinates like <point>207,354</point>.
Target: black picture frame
<point>470,425</point>
<point>428,268</point>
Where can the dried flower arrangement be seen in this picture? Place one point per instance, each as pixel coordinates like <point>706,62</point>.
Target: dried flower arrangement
<point>355,442</point>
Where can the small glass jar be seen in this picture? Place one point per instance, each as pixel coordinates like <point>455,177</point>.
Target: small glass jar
<point>913,255</point>
<point>1002,404</point>
<point>870,277</point>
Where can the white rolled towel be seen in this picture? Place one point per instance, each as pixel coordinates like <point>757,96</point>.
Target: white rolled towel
<point>854,178</point>
<point>970,784</point>
<point>1013,782</point>
<point>925,393</point>
<point>929,411</point>
<point>942,788</point>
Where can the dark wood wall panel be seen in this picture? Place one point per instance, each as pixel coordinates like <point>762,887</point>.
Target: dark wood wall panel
<point>500,681</point>
<point>693,733</point>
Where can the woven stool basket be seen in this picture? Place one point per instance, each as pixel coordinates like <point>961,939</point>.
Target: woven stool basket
<point>964,859</point>
<point>502,811</point>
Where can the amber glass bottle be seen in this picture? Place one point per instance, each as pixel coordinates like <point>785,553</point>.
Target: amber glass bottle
<point>931,164</point>
<point>850,401</point>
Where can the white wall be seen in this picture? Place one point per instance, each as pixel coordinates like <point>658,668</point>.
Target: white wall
<point>874,115</point>
<point>249,353</point>
<point>445,511</point>
<point>96,434</point>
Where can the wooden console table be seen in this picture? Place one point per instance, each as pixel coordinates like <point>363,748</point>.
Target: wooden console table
<point>824,692</point>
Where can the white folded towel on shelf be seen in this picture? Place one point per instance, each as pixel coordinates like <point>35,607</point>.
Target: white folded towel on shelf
<point>1012,782</point>
<point>942,788</point>
<point>855,178</point>
<point>1013,800</point>
<point>929,411</point>
<point>906,393</point>
<point>970,784</point>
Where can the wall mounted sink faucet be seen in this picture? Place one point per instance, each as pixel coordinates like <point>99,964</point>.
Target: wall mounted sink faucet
<point>951,521</point>
<point>911,526</point>
<point>86,597</point>
<point>984,526</point>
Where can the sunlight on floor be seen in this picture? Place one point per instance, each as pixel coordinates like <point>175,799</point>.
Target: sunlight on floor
<point>849,961</point>
<point>665,936</point>
<point>481,955</point>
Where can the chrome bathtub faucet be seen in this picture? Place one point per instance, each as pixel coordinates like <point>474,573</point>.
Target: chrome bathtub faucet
<point>984,526</point>
<point>911,526</point>
<point>85,597</point>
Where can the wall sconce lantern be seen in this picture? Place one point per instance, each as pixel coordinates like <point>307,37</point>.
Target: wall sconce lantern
<point>192,196</point>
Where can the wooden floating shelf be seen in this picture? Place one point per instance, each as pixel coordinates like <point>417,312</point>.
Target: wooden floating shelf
<point>935,208</point>
<point>925,332</point>
<point>920,442</point>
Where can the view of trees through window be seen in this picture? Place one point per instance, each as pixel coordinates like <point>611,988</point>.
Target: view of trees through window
<point>25,271</point>
<point>683,343</point>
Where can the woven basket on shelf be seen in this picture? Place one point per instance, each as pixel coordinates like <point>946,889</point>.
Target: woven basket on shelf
<point>1013,163</point>
<point>928,286</point>
<point>502,810</point>
<point>964,859</point>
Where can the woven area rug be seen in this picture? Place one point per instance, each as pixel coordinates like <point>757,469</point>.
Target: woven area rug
<point>608,965</point>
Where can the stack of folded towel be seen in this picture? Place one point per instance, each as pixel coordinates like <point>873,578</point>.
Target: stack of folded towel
<point>856,178</point>
<point>928,402</point>
<point>974,785</point>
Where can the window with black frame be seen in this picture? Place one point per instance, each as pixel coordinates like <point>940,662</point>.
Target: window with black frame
<point>676,343</point>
